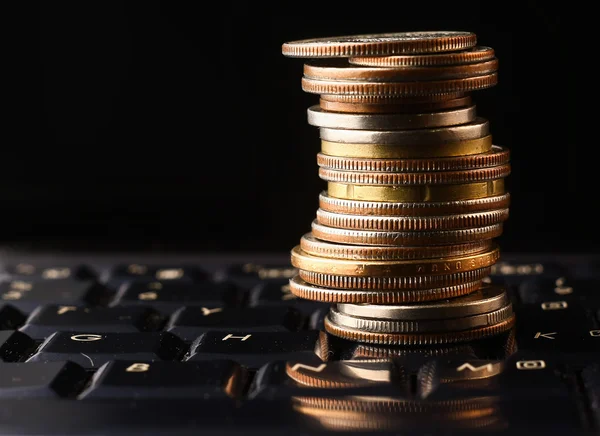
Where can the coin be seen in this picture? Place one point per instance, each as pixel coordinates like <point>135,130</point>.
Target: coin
<point>307,262</point>
<point>400,106</point>
<point>416,178</point>
<point>412,224</point>
<point>418,339</point>
<point>320,118</point>
<point>361,207</point>
<point>408,150</point>
<point>495,157</point>
<point>468,84</point>
<point>487,299</point>
<point>388,283</point>
<point>476,129</point>
<point>341,70</point>
<point>420,326</point>
<point>391,99</point>
<point>303,289</point>
<point>317,247</point>
<point>374,237</point>
<point>467,56</point>
<point>381,44</point>
<point>416,193</point>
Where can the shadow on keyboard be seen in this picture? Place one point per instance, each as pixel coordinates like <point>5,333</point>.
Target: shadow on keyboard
<point>225,348</point>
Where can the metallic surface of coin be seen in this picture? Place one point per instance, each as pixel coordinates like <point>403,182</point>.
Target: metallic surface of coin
<point>412,224</point>
<point>303,289</point>
<point>418,339</point>
<point>320,118</point>
<point>360,207</point>
<point>390,99</point>
<point>317,247</point>
<point>307,262</point>
<point>416,193</point>
<point>373,237</point>
<point>488,298</point>
<point>467,56</point>
<point>397,107</point>
<point>476,83</point>
<point>478,128</point>
<point>420,326</point>
<point>495,157</point>
<point>381,44</point>
<point>408,150</point>
<point>341,70</point>
<point>386,283</point>
<point>417,178</point>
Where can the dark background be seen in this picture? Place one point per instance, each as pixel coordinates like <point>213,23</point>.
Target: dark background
<point>167,126</point>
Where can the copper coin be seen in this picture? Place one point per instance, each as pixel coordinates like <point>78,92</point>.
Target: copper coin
<point>391,99</point>
<point>397,107</point>
<point>468,56</point>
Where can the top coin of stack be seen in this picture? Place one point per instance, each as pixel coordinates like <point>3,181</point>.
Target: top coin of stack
<point>404,235</point>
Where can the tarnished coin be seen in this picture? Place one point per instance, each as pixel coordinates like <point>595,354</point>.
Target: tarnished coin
<point>341,70</point>
<point>475,129</point>
<point>487,299</point>
<point>400,106</point>
<point>388,283</point>
<point>307,262</point>
<point>317,247</point>
<point>320,118</point>
<point>468,84</point>
<point>467,56</point>
<point>303,289</point>
<point>374,237</point>
<point>386,208</point>
<point>381,44</point>
<point>416,178</point>
<point>412,224</point>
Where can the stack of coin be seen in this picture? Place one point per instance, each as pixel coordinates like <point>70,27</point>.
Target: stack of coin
<point>403,239</point>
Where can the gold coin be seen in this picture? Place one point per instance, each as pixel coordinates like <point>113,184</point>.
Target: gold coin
<point>416,193</point>
<point>495,157</point>
<point>303,289</point>
<point>341,70</point>
<point>416,178</point>
<point>386,208</point>
<point>392,99</point>
<point>389,283</point>
<point>468,56</point>
<point>408,151</point>
<point>395,107</point>
<point>411,224</point>
<point>450,265</point>
<point>317,247</point>
<point>418,339</point>
<point>374,237</point>
<point>468,84</point>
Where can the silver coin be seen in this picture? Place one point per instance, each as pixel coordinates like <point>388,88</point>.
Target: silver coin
<point>484,300</point>
<point>336,120</point>
<point>422,326</point>
<point>478,128</point>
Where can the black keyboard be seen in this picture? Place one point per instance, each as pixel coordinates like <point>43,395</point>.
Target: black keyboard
<point>150,345</point>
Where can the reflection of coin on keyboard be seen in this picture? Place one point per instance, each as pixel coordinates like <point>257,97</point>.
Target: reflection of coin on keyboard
<point>415,189</point>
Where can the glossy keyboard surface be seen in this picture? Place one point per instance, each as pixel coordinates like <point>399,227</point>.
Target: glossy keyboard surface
<point>217,345</point>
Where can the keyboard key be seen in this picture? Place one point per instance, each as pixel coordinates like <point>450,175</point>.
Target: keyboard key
<point>254,349</point>
<point>46,320</point>
<point>10,317</point>
<point>92,350</point>
<point>590,377</point>
<point>514,272</point>
<point>27,295</point>
<point>277,293</point>
<point>209,380</point>
<point>190,322</point>
<point>21,380</point>
<point>248,275</point>
<point>161,273</point>
<point>15,345</point>
<point>27,271</point>
<point>539,290</point>
<point>166,297</point>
